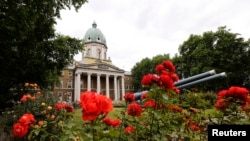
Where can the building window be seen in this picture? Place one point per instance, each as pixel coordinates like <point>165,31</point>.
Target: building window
<point>60,84</point>
<point>69,85</point>
<point>69,97</point>
<point>70,73</point>
<point>88,54</point>
<point>60,96</point>
<point>81,84</point>
<point>99,53</point>
<point>127,86</point>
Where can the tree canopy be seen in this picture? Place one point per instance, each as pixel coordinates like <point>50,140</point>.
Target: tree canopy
<point>30,50</point>
<point>222,50</point>
<point>145,66</point>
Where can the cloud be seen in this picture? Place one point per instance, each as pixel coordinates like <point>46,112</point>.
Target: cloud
<point>145,28</point>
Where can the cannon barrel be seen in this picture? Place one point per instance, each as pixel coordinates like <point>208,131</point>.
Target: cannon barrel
<point>195,77</point>
<point>215,76</point>
<point>191,81</point>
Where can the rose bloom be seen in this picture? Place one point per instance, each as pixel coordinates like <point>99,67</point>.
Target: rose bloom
<point>149,103</point>
<point>26,97</point>
<point>169,66</point>
<point>107,121</point>
<point>23,99</point>
<point>93,105</point>
<point>116,123</point>
<point>129,97</point>
<point>166,82</point>
<point>27,119</point>
<point>144,95</point>
<point>60,105</point>
<point>134,109</point>
<point>222,94</point>
<point>194,127</point>
<point>129,129</point>
<point>159,68</point>
<point>20,130</point>
<point>149,79</point>
<point>69,108</point>
<point>238,93</point>
<point>174,77</point>
<point>175,108</point>
<point>104,103</point>
<point>221,104</point>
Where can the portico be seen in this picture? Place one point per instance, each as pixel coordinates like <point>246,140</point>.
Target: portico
<point>107,83</point>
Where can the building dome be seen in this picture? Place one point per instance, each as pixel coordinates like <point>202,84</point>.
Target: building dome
<point>94,35</point>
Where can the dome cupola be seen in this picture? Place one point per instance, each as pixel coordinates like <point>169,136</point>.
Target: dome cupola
<point>94,35</point>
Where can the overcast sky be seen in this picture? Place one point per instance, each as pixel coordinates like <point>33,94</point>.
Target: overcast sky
<point>136,29</point>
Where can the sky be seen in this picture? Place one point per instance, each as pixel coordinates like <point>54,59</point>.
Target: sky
<point>136,29</point>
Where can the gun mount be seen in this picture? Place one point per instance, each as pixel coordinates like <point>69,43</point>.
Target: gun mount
<point>191,81</point>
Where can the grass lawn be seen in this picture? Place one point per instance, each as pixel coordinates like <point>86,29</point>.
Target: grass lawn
<point>78,115</point>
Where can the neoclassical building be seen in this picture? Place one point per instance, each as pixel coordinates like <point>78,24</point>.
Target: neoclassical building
<point>94,72</point>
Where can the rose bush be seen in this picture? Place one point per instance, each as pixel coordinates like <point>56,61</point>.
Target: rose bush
<point>39,116</point>
<point>160,114</point>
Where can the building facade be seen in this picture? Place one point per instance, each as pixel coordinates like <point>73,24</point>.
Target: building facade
<point>94,72</point>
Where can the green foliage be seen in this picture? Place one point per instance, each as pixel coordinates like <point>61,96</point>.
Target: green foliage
<point>143,67</point>
<point>222,50</point>
<point>30,49</point>
<point>52,121</point>
<point>197,100</point>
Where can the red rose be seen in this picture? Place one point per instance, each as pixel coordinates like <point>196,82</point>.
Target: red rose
<point>116,123</point>
<point>69,108</point>
<point>159,68</point>
<point>175,108</point>
<point>144,95</point>
<point>23,99</point>
<point>221,104</point>
<point>129,129</point>
<point>104,103</point>
<point>60,106</point>
<point>174,77</point>
<point>134,109</point>
<point>169,66</point>
<point>149,79</point>
<point>20,130</point>
<point>166,81</point>
<point>107,121</point>
<point>27,119</point>
<point>149,103</point>
<point>94,104</point>
<point>90,111</point>
<point>194,127</point>
<point>129,97</point>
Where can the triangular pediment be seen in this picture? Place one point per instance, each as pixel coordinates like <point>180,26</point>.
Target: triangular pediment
<point>100,66</point>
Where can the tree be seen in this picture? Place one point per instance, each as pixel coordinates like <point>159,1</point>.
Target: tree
<point>221,50</point>
<point>30,49</point>
<point>143,67</point>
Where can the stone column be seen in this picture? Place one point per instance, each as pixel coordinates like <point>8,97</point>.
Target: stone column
<point>118,89</point>
<point>89,82</point>
<point>123,87</point>
<point>107,86</point>
<point>115,87</point>
<point>98,83</point>
<point>77,87</point>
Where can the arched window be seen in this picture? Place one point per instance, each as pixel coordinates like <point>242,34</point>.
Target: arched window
<point>88,54</point>
<point>99,53</point>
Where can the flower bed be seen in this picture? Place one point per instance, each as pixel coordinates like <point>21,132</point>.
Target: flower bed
<point>159,116</point>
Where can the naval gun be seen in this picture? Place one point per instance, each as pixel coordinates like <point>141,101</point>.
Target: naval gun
<point>191,81</point>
